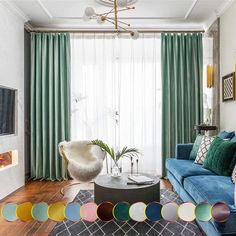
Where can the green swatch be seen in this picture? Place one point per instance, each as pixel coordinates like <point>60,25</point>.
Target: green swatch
<point>203,211</point>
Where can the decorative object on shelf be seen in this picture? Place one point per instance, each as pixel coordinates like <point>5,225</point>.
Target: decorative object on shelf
<point>137,172</point>
<point>204,127</point>
<point>116,168</point>
<point>228,87</point>
<point>131,166</point>
<point>112,16</point>
<point>207,112</point>
<point>210,76</point>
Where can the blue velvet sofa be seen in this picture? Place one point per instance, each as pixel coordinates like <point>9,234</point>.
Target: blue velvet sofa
<point>194,183</point>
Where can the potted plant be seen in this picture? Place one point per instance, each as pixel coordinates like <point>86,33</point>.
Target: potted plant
<point>116,155</point>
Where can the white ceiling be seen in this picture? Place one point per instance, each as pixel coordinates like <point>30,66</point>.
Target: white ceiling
<point>149,14</point>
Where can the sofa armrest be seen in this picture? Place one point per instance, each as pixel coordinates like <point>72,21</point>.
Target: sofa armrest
<point>183,151</point>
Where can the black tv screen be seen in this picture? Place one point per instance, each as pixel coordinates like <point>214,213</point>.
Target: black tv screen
<point>7,111</point>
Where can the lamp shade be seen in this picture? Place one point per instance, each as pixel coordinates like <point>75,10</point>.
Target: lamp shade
<point>134,34</point>
<point>89,11</point>
<point>86,18</point>
<point>122,3</point>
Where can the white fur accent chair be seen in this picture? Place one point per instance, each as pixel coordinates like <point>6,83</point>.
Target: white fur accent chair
<point>84,161</point>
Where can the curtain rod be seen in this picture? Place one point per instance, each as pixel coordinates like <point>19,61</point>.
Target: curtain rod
<point>107,31</point>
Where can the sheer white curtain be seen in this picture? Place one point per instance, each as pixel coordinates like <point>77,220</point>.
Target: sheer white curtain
<point>116,94</point>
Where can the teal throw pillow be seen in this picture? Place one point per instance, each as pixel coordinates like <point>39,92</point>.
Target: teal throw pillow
<point>233,139</point>
<point>226,134</point>
<point>220,156</point>
<point>196,146</point>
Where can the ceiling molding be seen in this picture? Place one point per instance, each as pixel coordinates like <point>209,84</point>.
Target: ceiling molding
<point>210,21</point>
<point>191,9</point>
<point>149,29</point>
<point>158,22</point>
<point>224,7</point>
<point>110,4</point>
<point>217,14</point>
<point>51,17</point>
<point>124,18</point>
<point>28,27</point>
<point>44,8</point>
<point>15,10</point>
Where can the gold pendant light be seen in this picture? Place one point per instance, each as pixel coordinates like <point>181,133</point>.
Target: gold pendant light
<point>112,17</point>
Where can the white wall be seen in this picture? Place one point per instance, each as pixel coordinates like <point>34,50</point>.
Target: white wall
<point>12,75</point>
<point>228,63</point>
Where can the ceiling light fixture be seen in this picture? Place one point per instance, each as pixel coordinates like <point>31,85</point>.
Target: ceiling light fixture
<point>112,16</point>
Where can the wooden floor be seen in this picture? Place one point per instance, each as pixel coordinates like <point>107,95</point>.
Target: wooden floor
<point>38,191</point>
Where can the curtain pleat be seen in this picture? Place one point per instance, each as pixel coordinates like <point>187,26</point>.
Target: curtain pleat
<point>50,103</point>
<point>182,84</point>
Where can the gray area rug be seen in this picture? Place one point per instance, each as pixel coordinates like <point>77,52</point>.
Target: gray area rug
<point>129,228</point>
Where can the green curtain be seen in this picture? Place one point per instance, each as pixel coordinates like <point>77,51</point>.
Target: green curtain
<point>50,103</point>
<point>182,90</point>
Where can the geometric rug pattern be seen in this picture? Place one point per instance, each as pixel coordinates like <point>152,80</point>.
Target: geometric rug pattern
<point>129,228</point>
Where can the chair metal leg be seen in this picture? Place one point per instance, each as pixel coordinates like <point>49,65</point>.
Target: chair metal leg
<point>69,185</point>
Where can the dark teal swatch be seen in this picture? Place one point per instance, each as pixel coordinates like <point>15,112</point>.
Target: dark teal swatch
<point>121,211</point>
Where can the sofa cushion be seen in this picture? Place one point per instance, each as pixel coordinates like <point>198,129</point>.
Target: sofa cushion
<point>183,151</point>
<point>219,157</point>
<point>196,146</point>
<point>184,168</point>
<point>203,149</point>
<point>226,135</point>
<point>233,176</point>
<point>212,189</point>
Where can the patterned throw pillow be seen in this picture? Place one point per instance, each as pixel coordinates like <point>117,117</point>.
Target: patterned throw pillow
<point>203,149</point>
<point>233,177</point>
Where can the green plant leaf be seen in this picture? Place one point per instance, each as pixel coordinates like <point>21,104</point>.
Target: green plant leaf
<point>125,152</point>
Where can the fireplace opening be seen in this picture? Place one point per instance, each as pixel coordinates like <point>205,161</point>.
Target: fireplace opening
<point>8,159</point>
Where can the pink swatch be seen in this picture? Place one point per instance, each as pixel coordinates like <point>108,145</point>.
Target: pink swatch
<point>88,212</point>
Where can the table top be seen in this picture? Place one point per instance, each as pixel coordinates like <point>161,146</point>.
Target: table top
<point>107,181</point>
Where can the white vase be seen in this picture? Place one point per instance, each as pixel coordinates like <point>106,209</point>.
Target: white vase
<point>116,169</point>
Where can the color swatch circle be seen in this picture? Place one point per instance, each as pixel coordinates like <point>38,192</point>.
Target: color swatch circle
<point>169,211</point>
<point>186,212</point>
<point>137,211</point>
<point>153,211</point>
<point>23,211</point>
<point>40,211</point>
<point>56,211</point>
<point>9,212</point>
<point>203,211</point>
<point>220,212</point>
<point>121,211</point>
<point>88,212</point>
<point>105,211</point>
<point>72,211</point>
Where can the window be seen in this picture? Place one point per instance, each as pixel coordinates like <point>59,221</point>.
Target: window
<point>116,94</point>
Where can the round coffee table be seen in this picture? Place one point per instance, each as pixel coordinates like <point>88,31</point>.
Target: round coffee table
<point>108,188</point>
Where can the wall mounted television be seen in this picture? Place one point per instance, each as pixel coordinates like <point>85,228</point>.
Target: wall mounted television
<point>7,110</point>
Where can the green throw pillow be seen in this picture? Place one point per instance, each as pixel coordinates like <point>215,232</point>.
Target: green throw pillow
<point>219,157</point>
<point>196,146</point>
